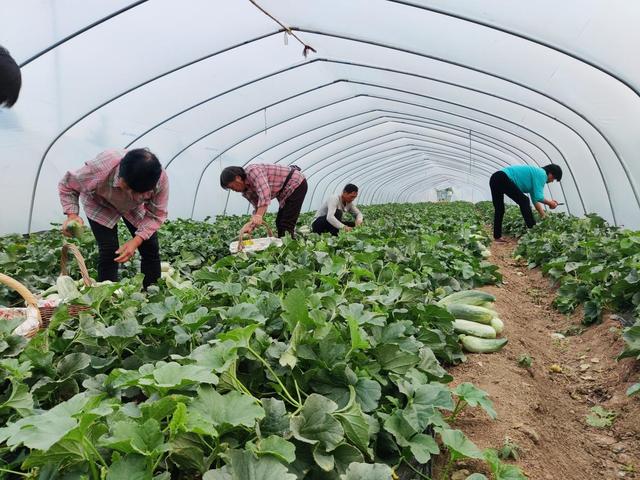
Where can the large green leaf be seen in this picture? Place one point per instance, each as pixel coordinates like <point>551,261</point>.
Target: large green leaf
<point>132,437</point>
<point>474,397</point>
<point>316,424</point>
<point>368,471</point>
<point>131,467</point>
<point>232,409</point>
<point>276,418</point>
<point>459,445</point>
<point>295,309</point>
<point>246,466</point>
<point>278,447</point>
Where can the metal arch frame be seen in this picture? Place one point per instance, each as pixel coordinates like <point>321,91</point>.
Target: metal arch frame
<point>458,64</point>
<point>407,167</point>
<point>405,195</point>
<point>448,129</point>
<point>125,92</point>
<point>487,157</point>
<point>492,126</point>
<point>421,119</point>
<point>431,180</point>
<point>522,36</point>
<point>352,162</point>
<point>171,71</point>
<point>457,16</point>
<point>568,165</point>
<point>81,31</point>
<point>461,106</point>
<point>373,175</point>
<point>371,178</point>
<point>334,36</point>
<point>425,177</point>
<point>405,92</point>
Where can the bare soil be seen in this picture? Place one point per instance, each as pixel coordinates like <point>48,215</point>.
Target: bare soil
<point>543,409</point>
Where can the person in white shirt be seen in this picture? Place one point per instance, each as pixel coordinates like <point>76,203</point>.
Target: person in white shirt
<point>329,216</point>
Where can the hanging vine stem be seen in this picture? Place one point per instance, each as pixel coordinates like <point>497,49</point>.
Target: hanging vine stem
<point>306,47</point>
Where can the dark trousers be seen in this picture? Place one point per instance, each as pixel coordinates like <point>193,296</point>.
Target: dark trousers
<point>322,225</point>
<point>107,239</point>
<point>502,185</point>
<point>288,214</point>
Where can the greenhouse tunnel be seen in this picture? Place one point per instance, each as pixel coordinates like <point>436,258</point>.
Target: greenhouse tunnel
<point>421,96</point>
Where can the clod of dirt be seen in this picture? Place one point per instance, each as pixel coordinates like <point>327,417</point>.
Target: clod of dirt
<point>529,432</point>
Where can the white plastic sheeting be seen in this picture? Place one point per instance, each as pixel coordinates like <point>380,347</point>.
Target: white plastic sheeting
<point>401,98</point>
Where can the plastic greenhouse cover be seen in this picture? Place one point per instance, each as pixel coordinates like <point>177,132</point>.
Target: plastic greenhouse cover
<point>401,98</point>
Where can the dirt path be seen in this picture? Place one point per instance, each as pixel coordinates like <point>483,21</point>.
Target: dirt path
<point>544,409</point>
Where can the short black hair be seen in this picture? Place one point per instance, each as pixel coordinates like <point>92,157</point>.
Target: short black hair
<point>350,188</point>
<point>140,169</point>
<point>10,79</point>
<point>554,170</point>
<point>229,174</point>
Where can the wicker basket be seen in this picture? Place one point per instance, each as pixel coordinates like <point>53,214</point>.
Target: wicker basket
<point>33,321</point>
<point>255,244</point>
<point>47,310</point>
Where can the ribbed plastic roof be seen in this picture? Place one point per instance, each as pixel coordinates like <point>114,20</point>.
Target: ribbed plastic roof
<point>399,97</point>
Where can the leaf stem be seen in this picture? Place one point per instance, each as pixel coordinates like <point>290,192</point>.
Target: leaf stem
<point>288,396</point>
<point>14,472</point>
<point>415,470</point>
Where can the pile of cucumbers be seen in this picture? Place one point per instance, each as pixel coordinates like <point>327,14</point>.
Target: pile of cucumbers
<point>475,320</point>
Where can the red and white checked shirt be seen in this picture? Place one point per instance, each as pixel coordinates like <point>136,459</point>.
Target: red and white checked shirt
<point>96,184</point>
<point>264,181</point>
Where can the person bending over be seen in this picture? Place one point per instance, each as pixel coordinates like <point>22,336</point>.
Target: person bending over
<point>516,180</point>
<point>329,216</point>
<point>259,184</point>
<point>132,185</point>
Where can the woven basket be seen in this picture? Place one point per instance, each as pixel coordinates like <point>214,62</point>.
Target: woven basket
<point>32,311</point>
<point>47,311</point>
<point>255,244</point>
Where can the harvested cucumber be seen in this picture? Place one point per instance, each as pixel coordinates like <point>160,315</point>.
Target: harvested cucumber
<point>474,328</point>
<point>468,297</point>
<point>472,312</point>
<point>482,345</point>
<point>497,324</point>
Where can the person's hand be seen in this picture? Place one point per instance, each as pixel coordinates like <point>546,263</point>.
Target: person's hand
<point>70,217</point>
<point>347,228</point>
<point>128,250</point>
<point>247,227</point>
<point>358,222</point>
<point>552,204</point>
<point>256,220</point>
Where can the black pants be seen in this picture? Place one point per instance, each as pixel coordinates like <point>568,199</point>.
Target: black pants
<point>107,239</point>
<point>322,225</point>
<point>288,215</point>
<point>501,185</point>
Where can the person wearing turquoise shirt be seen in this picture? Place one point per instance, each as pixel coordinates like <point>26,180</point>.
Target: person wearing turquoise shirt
<point>516,180</point>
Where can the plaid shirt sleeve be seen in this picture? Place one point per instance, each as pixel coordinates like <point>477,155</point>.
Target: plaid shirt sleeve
<point>156,209</point>
<point>73,183</point>
<point>257,176</point>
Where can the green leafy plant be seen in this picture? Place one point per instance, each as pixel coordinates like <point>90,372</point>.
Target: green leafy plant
<point>601,418</point>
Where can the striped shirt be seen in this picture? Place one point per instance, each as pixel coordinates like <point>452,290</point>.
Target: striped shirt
<point>264,181</point>
<point>96,185</point>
